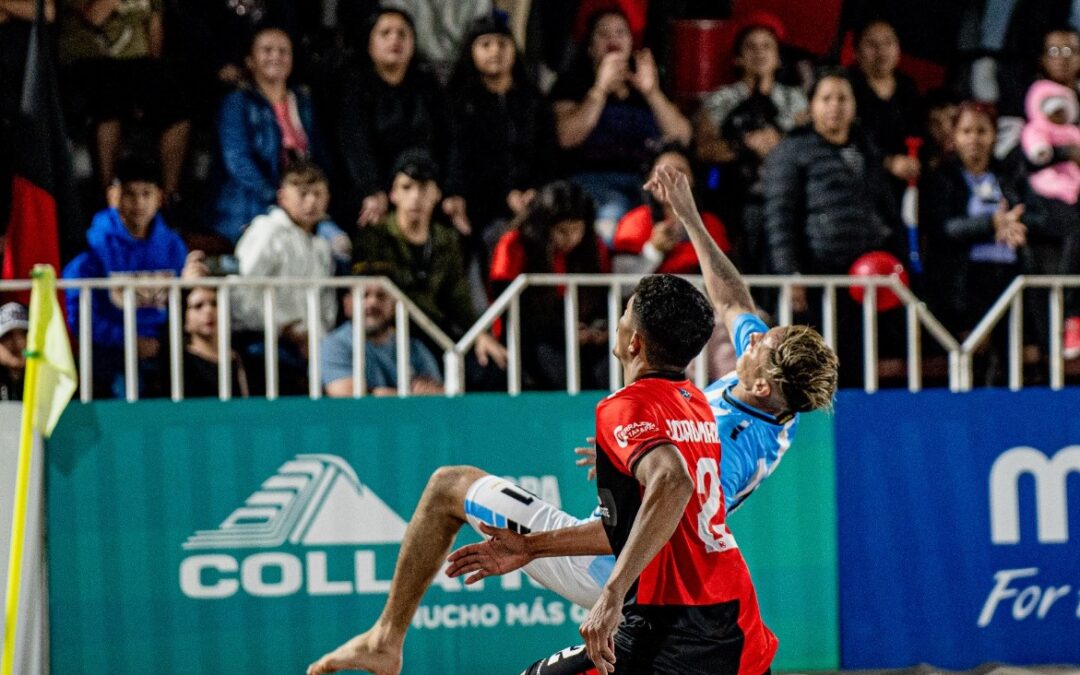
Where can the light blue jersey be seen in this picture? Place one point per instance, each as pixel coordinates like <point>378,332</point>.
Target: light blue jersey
<point>752,442</point>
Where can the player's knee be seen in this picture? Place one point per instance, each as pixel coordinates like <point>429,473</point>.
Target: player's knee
<point>452,482</point>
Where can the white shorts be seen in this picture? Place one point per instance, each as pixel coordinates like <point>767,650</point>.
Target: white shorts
<point>500,503</point>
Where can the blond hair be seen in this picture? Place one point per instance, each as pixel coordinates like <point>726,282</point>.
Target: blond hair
<point>805,370</point>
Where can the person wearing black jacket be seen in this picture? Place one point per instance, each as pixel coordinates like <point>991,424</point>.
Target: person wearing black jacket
<point>979,218</point>
<point>390,102</point>
<point>887,100</point>
<point>827,202</point>
<point>502,133</point>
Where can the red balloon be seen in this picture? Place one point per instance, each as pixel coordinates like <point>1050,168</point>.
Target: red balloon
<point>877,263</point>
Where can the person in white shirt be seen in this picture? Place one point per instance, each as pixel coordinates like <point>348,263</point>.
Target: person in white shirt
<point>283,243</point>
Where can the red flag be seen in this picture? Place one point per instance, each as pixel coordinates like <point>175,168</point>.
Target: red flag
<point>42,197</point>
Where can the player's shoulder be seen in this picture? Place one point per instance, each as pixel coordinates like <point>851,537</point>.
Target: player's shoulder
<point>714,391</point>
<point>633,394</point>
<point>651,391</point>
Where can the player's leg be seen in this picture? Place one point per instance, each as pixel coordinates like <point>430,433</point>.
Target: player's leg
<point>637,644</point>
<point>501,503</point>
<point>428,537</point>
<point>570,661</point>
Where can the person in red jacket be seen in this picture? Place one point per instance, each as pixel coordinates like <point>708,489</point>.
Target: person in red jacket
<point>554,234</point>
<point>649,239</point>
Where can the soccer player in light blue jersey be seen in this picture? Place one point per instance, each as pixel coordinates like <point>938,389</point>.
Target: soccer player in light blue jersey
<point>779,373</point>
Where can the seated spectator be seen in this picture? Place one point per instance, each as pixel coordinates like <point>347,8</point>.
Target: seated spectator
<point>210,41</point>
<point>554,234</point>
<point>390,103</point>
<point>264,127</point>
<point>887,101</point>
<point>651,239</point>
<point>827,202</point>
<point>441,27</point>
<point>380,353</point>
<point>13,327</point>
<point>423,258</point>
<point>111,51</point>
<point>757,60</point>
<point>130,240</point>
<point>503,133</point>
<point>608,108</point>
<point>201,354</point>
<point>978,216</point>
<point>1059,59</point>
<point>283,243</point>
<point>738,126</point>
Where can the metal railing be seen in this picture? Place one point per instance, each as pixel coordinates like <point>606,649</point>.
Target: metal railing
<point>508,308</point>
<point>1011,302</point>
<point>917,317</point>
<point>406,312</point>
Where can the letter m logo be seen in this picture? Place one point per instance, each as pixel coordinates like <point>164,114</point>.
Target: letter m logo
<point>1051,498</point>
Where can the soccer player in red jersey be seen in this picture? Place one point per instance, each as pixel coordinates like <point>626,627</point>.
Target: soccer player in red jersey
<point>679,599</point>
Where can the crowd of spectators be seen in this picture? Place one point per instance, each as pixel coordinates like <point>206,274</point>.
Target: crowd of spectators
<point>424,145</point>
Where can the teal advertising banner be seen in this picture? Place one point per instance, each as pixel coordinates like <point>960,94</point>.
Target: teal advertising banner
<point>252,536</point>
<point>787,532</point>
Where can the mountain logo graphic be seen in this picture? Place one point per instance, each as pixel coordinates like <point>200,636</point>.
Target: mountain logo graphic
<point>312,500</point>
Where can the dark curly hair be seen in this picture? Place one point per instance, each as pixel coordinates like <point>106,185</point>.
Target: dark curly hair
<point>676,319</point>
<point>556,203</point>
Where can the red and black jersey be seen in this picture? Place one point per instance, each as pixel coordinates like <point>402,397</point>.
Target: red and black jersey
<point>700,566</point>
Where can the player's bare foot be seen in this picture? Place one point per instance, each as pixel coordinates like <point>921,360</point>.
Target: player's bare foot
<point>369,652</point>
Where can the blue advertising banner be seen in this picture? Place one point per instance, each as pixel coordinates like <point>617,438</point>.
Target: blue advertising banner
<point>959,528</point>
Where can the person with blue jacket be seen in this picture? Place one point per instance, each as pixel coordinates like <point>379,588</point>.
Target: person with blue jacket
<point>129,240</point>
<point>263,127</point>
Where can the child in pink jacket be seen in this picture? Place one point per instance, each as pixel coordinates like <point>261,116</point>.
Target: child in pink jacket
<point>1052,112</point>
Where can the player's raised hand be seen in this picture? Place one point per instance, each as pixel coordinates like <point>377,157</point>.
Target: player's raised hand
<point>588,456</point>
<point>675,188</point>
<point>505,551</point>
<point>598,630</point>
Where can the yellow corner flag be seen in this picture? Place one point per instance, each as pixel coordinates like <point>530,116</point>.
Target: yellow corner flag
<point>47,343</point>
<point>48,385</point>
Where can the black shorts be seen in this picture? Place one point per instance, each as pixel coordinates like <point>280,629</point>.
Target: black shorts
<point>662,640</point>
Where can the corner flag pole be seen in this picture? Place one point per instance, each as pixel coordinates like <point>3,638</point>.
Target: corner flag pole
<point>18,517</point>
<point>49,383</point>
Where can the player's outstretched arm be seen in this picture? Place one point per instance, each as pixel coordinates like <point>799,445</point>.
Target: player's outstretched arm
<point>506,550</point>
<point>723,282</point>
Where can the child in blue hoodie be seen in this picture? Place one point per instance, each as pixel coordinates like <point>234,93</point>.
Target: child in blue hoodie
<point>131,240</point>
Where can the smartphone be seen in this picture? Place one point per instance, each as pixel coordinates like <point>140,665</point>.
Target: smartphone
<point>222,265</point>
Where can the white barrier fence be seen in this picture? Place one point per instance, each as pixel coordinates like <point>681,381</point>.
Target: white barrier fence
<point>406,314</point>
<point>918,319</point>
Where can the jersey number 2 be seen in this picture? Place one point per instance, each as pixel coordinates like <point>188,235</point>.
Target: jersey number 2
<point>716,537</point>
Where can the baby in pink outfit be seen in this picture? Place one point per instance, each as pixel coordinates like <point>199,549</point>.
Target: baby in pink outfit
<point>1052,112</point>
